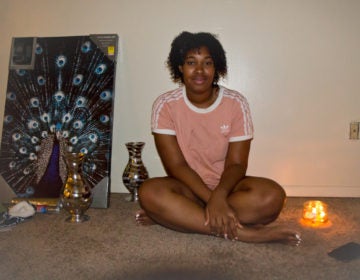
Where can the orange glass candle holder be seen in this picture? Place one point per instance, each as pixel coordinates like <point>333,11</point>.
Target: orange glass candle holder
<point>315,213</point>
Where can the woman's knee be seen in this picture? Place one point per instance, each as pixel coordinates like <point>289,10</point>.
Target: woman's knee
<point>148,190</point>
<point>273,201</point>
<point>275,191</point>
<point>265,190</point>
<point>273,195</point>
<point>262,198</point>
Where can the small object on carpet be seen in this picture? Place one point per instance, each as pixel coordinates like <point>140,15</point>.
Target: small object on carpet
<point>16,214</point>
<point>347,252</point>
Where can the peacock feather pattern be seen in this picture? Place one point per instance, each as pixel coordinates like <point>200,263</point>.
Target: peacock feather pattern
<point>64,104</point>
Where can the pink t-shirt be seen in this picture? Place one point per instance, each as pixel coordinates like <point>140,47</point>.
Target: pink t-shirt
<point>203,134</point>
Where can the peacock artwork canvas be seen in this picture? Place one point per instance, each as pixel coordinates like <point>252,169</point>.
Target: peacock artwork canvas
<point>59,97</point>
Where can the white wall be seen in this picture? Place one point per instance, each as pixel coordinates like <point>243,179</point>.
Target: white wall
<point>298,63</point>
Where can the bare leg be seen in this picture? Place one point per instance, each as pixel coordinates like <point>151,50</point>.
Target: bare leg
<point>168,202</point>
<point>258,202</point>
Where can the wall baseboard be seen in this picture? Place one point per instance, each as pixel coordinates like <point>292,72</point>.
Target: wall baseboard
<point>323,191</point>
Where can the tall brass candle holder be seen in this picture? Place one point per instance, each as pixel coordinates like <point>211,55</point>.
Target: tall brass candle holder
<point>135,171</point>
<point>76,196</point>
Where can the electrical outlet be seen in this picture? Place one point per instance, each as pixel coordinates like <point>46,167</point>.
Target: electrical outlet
<point>354,130</point>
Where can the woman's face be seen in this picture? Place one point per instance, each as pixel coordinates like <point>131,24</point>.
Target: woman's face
<point>198,70</point>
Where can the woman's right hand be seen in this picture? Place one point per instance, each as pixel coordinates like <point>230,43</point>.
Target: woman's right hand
<point>220,217</point>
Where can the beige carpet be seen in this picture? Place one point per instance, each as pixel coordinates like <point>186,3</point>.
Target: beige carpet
<point>112,246</point>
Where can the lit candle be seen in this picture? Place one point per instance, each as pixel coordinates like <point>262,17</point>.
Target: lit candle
<point>315,212</point>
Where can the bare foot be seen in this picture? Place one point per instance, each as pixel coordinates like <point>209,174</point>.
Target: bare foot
<point>269,234</point>
<point>143,219</point>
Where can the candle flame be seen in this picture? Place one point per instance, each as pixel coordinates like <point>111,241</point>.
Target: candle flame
<point>314,213</point>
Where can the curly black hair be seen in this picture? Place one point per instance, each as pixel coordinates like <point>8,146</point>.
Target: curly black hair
<point>186,42</point>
